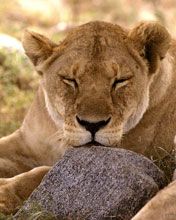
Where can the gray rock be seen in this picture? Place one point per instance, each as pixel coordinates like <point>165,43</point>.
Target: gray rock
<point>96,183</point>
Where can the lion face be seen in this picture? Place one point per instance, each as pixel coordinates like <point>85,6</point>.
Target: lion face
<point>96,84</point>
<point>99,100</point>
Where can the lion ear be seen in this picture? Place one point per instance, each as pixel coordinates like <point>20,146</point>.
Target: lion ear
<point>37,47</point>
<point>152,41</point>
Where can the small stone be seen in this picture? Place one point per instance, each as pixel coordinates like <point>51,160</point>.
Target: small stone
<point>96,183</point>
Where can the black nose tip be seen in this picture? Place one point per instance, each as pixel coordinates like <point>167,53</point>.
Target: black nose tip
<point>91,126</point>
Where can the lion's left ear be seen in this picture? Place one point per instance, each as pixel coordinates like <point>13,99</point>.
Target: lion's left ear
<point>37,47</point>
<point>152,41</point>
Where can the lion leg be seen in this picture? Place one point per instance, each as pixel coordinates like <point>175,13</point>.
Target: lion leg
<point>18,177</point>
<point>15,157</point>
<point>162,206</point>
<point>15,190</point>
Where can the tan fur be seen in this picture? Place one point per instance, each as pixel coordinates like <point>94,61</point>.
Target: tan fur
<point>78,78</point>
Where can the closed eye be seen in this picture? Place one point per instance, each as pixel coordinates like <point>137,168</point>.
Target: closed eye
<point>71,82</point>
<point>121,82</point>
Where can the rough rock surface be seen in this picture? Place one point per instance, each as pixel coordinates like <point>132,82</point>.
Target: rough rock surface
<point>96,183</point>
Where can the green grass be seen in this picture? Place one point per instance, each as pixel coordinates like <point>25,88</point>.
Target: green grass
<point>18,83</point>
<point>35,212</point>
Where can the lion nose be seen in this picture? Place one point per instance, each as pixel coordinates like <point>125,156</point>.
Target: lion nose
<point>93,127</point>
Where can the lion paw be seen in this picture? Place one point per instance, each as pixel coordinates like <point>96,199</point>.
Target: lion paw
<point>9,200</point>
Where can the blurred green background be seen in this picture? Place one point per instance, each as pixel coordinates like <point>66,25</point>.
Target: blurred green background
<point>18,80</point>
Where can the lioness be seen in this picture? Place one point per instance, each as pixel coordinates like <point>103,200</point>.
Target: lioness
<point>102,85</point>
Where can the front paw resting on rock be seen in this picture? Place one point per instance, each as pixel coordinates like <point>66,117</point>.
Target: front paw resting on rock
<point>14,191</point>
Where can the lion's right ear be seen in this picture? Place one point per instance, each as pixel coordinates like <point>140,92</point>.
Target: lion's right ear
<point>37,47</point>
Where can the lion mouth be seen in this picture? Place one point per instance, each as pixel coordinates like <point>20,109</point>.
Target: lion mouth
<point>90,144</point>
<point>95,143</point>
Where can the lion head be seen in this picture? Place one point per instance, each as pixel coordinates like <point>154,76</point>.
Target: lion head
<point>96,81</point>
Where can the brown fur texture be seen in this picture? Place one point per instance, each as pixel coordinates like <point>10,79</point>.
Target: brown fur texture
<point>101,74</point>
